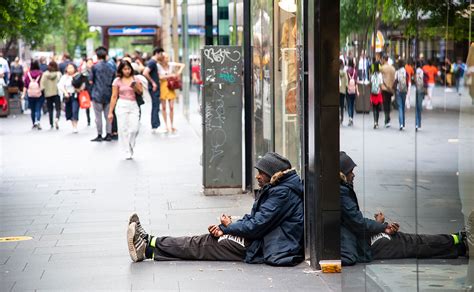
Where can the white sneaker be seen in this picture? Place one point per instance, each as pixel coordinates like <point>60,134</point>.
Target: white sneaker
<point>162,131</point>
<point>429,105</point>
<point>75,131</point>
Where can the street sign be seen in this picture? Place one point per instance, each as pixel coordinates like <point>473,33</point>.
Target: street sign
<point>132,30</point>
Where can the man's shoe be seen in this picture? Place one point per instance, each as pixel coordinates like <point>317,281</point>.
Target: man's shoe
<point>140,230</point>
<point>114,137</point>
<point>136,244</point>
<point>108,138</point>
<point>97,139</point>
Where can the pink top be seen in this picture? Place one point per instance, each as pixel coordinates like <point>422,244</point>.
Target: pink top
<point>125,91</point>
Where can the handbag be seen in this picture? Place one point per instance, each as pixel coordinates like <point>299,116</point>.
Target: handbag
<point>174,83</point>
<point>84,99</point>
<point>13,89</point>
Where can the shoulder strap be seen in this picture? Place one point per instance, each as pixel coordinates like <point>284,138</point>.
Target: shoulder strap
<point>37,78</point>
<point>29,75</point>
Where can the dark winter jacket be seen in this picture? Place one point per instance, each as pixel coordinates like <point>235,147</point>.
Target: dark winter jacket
<point>275,226</point>
<point>355,229</point>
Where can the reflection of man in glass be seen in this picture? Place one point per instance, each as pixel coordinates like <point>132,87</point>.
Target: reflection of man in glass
<point>364,239</point>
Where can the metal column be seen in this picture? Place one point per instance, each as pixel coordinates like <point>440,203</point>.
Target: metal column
<point>223,21</point>
<point>209,23</point>
<point>248,100</point>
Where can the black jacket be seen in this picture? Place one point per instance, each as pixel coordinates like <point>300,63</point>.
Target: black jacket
<point>355,229</point>
<point>275,226</point>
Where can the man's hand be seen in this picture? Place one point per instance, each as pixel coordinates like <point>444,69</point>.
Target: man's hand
<point>154,86</point>
<point>392,228</point>
<point>226,220</point>
<point>379,217</point>
<point>215,231</point>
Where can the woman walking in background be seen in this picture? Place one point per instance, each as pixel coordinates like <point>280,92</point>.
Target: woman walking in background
<point>125,89</point>
<point>49,86</point>
<point>32,92</point>
<point>70,96</point>
<point>342,90</point>
<point>376,93</point>
<point>352,90</point>
<point>169,73</point>
<point>420,94</point>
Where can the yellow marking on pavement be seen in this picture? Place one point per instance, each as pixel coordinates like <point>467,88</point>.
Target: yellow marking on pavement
<point>15,238</point>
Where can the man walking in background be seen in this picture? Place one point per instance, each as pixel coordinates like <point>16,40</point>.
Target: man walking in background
<point>388,77</point>
<point>101,79</point>
<point>151,74</point>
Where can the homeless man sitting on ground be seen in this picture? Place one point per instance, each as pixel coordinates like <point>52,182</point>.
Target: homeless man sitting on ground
<point>272,233</point>
<point>364,239</point>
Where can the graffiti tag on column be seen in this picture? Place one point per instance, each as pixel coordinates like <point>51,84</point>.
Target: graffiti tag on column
<point>219,55</point>
<point>215,119</point>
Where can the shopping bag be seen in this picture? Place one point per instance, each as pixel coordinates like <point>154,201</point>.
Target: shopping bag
<point>84,99</point>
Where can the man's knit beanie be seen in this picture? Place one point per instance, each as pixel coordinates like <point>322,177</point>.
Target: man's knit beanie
<point>272,163</point>
<point>346,163</point>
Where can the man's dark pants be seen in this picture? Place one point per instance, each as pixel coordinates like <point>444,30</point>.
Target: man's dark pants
<point>405,245</point>
<point>155,108</point>
<point>387,100</point>
<point>202,247</point>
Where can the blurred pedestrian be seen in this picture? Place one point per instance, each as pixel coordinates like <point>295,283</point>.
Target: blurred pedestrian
<point>169,73</point>
<point>70,94</point>
<point>15,85</point>
<point>102,76</point>
<point>65,61</point>
<point>32,91</point>
<point>87,71</point>
<point>401,81</point>
<point>352,90</point>
<point>49,86</point>
<point>125,89</point>
<point>376,93</point>
<point>43,65</point>
<point>196,78</point>
<point>458,69</point>
<point>343,80</point>
<point>388,77</point>
<point>470,70</point>
<point>411,72</point>
<point>151,74</point>
<point>4,67</point>
<point>431,72</point>
<point>420,94</point>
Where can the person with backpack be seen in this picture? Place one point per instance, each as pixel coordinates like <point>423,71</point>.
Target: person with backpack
<point>70,94</point>
<point>49,85</point>
<point>376,93</point>
<point>420,94</point>
<point>342,88</point>
<point>388,79</point>
<point>458,69</point>
<point>352,90</point>
<point>402,83</point>
<point>32,91</point>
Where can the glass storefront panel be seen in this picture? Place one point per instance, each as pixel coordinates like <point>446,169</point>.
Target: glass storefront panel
<point>420,175</point>
<point>262,46</point>
<point>286,80</point>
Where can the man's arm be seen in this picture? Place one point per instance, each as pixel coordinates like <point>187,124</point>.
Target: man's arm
<point>268,214</point>
<point>356,220</point>
<point>147,75</point>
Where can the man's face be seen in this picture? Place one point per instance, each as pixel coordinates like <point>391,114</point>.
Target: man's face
<point>262,178</point>
<point>350,177</point>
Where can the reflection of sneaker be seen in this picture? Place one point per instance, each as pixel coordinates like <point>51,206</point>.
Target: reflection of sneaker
<point>140,230</point>
<point>136,244</point>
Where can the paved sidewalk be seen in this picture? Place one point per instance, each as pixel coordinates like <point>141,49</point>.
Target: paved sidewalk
<point>74,196</point>
<point>414,178</point>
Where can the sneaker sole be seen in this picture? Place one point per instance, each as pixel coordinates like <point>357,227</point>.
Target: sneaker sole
<point>131,247</point>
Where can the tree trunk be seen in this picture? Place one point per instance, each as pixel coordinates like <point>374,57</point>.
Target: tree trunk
<point>175,31</point>
<point>7,47</point>
<point>166,24</point>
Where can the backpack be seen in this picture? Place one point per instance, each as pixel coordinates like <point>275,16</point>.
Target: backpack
<point>420,80</point>
<point>402,85</point>
<point>351,87</point>
<point>34,89</point>
<point>459,71</point>
<point>375,84</point>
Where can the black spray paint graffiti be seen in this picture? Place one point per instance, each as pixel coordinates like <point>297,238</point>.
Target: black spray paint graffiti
<point>215,119</point>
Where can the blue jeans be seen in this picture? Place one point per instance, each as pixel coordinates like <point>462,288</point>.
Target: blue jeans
<point>401,98</point>
<point>420,95</point>
<point>72,108</point>
<point>155,108</point>
<point>350,104</point>
<point>36,105</point>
